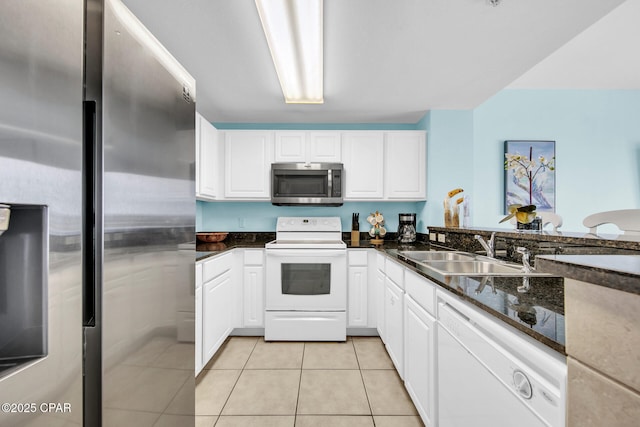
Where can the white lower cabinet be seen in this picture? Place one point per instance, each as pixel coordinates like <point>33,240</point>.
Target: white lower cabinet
<point>379,295</point>
<point>419,359</point>
<point>218,303</point>
<point>357,288</point>
<point>198,325</point>
<point>198,349</point>
<point>253,289</point>
<point>393,323</point>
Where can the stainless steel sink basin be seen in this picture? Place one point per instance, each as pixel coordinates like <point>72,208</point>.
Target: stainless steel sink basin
<point>458,263</point>
<point>470,268</point>
<point>421,256</point>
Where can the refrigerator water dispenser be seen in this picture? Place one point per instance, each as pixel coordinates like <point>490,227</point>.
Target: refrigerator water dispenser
<point>23,287</point>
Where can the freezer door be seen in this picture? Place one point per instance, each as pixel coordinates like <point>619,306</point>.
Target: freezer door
<point>40,177</point>
<point>148,220</point>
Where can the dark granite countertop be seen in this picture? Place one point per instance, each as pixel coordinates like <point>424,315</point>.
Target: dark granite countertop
<point>233,240</point>
<point>538,312</point>
<point>621,272</point>
<point>604,241</point>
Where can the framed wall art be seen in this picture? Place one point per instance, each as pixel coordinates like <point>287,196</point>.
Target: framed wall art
<point>530,174</point>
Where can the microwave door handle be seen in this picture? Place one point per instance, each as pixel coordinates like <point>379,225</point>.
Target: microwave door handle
<point>330,182</point>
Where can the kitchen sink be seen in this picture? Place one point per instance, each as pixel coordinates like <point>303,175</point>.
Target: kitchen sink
<point>421,256</point>
<point>470,268</point>
<point>457,263</point>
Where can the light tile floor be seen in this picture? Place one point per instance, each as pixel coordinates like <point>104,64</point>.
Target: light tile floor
<point>255,383</point>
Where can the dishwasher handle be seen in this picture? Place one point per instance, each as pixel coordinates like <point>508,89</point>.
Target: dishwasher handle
<point>452,320</point>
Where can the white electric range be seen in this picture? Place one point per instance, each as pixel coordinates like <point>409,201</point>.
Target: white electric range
<point>306,281</point>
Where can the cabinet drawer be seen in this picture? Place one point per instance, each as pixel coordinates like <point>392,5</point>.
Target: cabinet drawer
<point>421,290</point>
<point>395,271</point>
<point>253,256</point>
<point>357,257</point>
<point>380,261</point>
<point>216,266</point>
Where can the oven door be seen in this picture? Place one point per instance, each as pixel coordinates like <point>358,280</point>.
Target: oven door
<point>306,280</point>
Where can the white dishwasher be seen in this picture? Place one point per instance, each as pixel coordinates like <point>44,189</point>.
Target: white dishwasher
<point>491,376</point>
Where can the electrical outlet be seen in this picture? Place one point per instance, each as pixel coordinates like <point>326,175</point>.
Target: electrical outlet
<point>442,238</point>
<point>432,237</point>
<point>240,222</point>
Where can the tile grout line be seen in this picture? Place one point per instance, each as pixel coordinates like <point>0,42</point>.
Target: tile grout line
<point>295,414</point>
<point>237,379</point>
<point>373,420</point>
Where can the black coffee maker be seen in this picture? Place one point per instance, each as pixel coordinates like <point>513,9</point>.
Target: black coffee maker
<point>407,228</point>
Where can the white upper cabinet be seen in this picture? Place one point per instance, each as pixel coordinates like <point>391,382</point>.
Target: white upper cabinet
<point>291,146</point>
<point>207,160</point>
<point>324,147</point>
<point>385,165</point>
<point>248,158</point>
<point>307,147</point>
<point>405,172</point>
<point>378,165</point>
<point>362,155</point>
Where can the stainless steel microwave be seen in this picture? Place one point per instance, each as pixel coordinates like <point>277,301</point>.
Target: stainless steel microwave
<point>317,184</point>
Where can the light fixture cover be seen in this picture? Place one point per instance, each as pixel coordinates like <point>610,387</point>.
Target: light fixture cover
<point>293,29</point>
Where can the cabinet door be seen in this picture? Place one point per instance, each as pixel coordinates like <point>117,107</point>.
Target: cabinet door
<point>253,300</point>
<point>405,165</point>
<point>363,158</point>
<point>198,349</point>
<point>419,367</point>
<point>217,314</point>
<point>379,290</point>
<point>357,297</point>
<point>209,162</point>
<point>393,324</point>
<point>248,158</point>
<point>197,159</point>
<point>324,147</point>
<point>291,146</point>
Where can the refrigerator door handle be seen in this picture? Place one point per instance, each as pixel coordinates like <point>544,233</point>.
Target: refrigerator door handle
<point>89,255</point>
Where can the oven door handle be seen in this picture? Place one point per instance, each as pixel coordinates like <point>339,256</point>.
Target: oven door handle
<point>306,253</point>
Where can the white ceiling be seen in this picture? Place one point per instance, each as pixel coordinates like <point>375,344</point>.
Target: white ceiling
<point>604,56</point>
<point>385,61</point>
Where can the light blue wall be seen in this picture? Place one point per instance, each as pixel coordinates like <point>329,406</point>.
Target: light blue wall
<point>597,136</point>
<point>261,216</point>
<point>449,160</point>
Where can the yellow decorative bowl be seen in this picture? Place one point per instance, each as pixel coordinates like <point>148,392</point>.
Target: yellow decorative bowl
<point>525,217</point>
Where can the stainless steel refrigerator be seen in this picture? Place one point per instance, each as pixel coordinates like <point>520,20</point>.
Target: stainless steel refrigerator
<point>97,179</point>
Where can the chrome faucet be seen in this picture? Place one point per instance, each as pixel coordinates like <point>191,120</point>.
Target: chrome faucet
<point>526,266</point>
<point>488,246</point>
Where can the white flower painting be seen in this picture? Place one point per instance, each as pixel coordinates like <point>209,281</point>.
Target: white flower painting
<point>530,174</point>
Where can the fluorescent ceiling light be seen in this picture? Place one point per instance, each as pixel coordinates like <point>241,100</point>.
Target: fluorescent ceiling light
<point>293,29</point>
